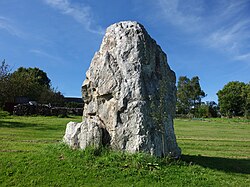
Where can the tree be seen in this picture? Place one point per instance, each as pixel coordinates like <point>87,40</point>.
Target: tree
<point>207,110</point>
<point>4,81</point>
<point>28,82</point>
<point>189,95</point>
<point>34,74</point>
<point>34,84</point>
<point>4,69</point>
<point>213,109</point>
<point>183,92</point>
<point>196,93</point>
<point>202,111</point>
<point>51,96</point>
<point>246,95</point>
<point>233,98</point>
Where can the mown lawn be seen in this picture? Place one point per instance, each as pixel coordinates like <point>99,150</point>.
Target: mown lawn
<point>216,152</point>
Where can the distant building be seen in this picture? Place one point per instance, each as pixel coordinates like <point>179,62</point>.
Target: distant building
<point>73,100</point>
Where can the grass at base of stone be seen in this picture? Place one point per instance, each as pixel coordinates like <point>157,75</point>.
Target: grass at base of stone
<point>57,165</point>
<point>215,153</point>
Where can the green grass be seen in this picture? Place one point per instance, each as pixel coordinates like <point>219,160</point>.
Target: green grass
<point>214,137</point>
<point>216,152</point>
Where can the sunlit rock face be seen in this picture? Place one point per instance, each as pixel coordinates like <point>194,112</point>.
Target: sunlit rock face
<point>129,95</point>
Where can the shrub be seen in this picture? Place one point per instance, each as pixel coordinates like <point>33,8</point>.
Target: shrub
<point>4,114</point>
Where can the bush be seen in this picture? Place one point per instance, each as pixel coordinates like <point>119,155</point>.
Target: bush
<point>4,114</point>
<point>202,111</point>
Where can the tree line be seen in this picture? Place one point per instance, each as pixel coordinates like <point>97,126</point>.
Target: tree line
<point>233,99</point>
<point>32,83</point>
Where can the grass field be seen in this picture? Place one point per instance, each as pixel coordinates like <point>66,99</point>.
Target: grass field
<point>216,152</point>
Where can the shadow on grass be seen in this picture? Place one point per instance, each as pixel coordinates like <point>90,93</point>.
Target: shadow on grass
<point>14,124</point>
<point>223,164</point>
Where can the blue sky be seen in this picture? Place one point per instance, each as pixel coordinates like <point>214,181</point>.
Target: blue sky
<point>209,39</point>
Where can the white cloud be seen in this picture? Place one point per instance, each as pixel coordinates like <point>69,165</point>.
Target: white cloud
<point>6,25</point>
<point>223,26</point>
<point>243,57</point>
<point>186,16</point>
<point>42,53</point>
<point>80,13</point>
<point>232,36</point>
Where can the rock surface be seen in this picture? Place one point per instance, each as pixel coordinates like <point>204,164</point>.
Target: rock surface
<point>129,95</point>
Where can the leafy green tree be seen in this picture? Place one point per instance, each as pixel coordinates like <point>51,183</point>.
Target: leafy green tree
<point>28,82</point>
<point>246,95</point>
<point>33,74</point>
<point>34,84</point>
<point>183,95</point>
<point>196,93</point>
<point>189,95</point>
<point>233,98</point>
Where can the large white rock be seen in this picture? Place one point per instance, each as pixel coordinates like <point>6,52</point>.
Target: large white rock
<point>129,95</point>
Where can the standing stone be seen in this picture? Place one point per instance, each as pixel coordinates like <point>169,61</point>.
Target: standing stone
<point>129,95</point>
